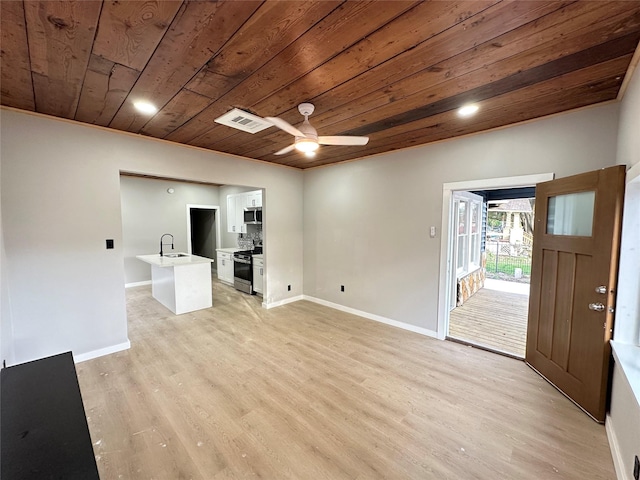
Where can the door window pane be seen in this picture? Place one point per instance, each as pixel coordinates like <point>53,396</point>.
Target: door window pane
<point>571,214</point>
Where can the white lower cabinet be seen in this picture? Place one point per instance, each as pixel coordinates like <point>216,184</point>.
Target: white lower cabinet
<point>225,267</point>
<point>258,275</point>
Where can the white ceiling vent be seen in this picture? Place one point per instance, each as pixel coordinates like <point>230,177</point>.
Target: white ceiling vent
<point>245,121</point>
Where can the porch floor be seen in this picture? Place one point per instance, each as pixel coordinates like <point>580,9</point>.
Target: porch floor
<point>495,317</point>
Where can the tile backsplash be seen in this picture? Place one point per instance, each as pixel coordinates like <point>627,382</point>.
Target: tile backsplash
<point>248,240</point>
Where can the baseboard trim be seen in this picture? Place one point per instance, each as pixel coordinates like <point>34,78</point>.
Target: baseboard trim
<point>371,316</point>
<point>618,464</point>
<point>137,284</point>
<point>279,303</point>
<point>83,357</point>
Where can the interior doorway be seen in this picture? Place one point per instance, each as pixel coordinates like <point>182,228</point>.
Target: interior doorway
<point>485,302</point>
<point>203,231</point>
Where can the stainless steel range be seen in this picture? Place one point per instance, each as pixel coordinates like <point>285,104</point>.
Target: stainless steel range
<point>243,270</point>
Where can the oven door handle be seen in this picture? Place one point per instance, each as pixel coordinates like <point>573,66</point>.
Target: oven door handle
<point>242,260</point>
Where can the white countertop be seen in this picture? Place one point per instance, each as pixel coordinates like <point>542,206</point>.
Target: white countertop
<point>228,250</point>
<point>259,256</point>
<point>159,261</point>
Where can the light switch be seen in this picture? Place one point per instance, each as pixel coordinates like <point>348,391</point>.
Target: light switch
<point>432,232</point>
<point>109,243</point>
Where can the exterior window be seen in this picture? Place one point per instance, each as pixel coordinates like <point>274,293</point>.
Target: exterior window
<point>468,224</point>
<point>476,230</point>
<point>462,236</point>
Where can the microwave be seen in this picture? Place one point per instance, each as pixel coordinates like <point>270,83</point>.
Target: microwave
<point>253,216</point>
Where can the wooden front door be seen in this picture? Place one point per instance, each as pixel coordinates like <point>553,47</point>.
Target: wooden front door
<point>573,283</point>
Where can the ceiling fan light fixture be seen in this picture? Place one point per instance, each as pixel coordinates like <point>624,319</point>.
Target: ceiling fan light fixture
<point>306,145</point>
<point>468,110</point>
<point>145,107</point>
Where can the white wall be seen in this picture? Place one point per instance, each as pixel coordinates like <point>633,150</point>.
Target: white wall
<point>623,424</point>
<point>61,200</point>
<point>629,131</point>
<point>6,326</point>
<point>148,211</point>
<point>366,223</point>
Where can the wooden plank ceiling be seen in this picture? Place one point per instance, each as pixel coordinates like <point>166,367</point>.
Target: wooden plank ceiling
<point>395,71</point>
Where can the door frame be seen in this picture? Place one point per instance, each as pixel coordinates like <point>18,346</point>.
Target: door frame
<point>202,207</point>
<point>447,240</point>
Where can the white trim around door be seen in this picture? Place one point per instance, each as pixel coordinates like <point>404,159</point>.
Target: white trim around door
<point>446,252</point>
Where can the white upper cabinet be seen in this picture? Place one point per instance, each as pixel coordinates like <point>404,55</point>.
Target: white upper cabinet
<point>235,213</point>
<point>254,199</point>
<point>236,205</point>
<point>241,202</point>
<point>231,214</point>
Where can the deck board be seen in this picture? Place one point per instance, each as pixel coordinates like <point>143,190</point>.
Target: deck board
<point>493,319</point>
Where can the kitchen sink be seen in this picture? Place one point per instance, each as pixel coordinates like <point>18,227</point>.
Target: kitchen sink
<point>175,255</point>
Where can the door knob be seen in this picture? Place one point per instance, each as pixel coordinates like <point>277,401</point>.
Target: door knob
<point>601,289</point>
<point>598,307</point>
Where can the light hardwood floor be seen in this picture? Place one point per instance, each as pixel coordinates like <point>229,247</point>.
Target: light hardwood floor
<point>306,392</point>
<point>493,319</point>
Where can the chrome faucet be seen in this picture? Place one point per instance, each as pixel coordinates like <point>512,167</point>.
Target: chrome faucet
<point>164,235</point>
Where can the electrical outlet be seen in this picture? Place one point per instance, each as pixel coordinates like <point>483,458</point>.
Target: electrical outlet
<point>636,468</point>
<point>342,288</point>
<point>288,288</point>
<point>109,243</point>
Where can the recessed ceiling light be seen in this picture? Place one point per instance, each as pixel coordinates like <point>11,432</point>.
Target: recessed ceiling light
<point>468,110</point>
<point>145,107</point>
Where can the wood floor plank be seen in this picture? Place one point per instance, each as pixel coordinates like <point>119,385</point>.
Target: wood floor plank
<point>304,391</point>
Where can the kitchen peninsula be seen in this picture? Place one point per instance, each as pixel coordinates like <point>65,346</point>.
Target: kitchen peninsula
<point>179,281</point>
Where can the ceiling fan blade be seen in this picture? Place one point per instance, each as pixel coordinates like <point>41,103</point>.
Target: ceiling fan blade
<point>286,149</point>
<point>286,126</point>
<point>343,140</point>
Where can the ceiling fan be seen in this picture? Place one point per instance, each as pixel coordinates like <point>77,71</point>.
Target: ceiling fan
<point>307,139</point>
